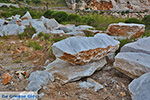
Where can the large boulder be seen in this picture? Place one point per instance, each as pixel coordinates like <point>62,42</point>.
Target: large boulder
<point>27,16</point>
<point>126,30</point>
<point>140,87</point>
<point>38,25</point>
<point>81,50</point>
<point>132,64</point>
<point>11,29</point>
<point>142,45</point>
<point>134,58</point>
<point>66,72</point>
<point>49,23</point>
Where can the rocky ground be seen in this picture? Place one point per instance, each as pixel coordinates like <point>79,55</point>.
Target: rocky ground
<point>63,62</point>
<point>16,56</point>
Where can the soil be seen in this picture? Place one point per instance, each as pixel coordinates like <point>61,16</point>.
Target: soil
<point>16,55</point>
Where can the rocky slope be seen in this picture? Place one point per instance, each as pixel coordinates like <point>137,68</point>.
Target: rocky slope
<point>137,5</point>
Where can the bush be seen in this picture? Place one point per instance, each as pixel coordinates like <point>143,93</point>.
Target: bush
<point>48,13</point>
<point>60,16</point>
<point>133,20</point>
<point>74,17</point>
<point>88,20</point>
<point>146,21</point>
<point>36,1</point>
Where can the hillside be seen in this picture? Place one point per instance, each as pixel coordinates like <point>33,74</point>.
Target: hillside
<point>89,52</point>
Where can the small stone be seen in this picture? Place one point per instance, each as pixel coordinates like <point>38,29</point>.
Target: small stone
<point>6,78</point>
<point>122,94</point>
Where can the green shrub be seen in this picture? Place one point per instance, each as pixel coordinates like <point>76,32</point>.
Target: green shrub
<point>48,13</point>
<point>36,1</point>
<point>74,17</point>
<point>88,20</point>
<point>60,16</point>
<point>133,20</point>
<point>146,21</point>
<point>35,45</point>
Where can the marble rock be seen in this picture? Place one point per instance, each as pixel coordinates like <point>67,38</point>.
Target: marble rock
<point>66,72</point>
<point>126,30</point>
<point>140,87</point>
<point>81,50</point>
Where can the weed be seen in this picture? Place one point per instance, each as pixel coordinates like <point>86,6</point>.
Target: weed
<point>35,45</point>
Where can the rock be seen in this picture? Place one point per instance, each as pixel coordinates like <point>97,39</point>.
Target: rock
<point>140,45</point>
<point>16,17</point>
<point>27,16</point>
<point>69,73</point>
<point>126,30</point>
<point>57,32</point>
<point>49,23</point>
<point>39,26</point>
<point>133,64</point>
<point>90,83</point>
<point>67,28</point>
<point>6,78</point>
<point>134,58</point>
<point>38,79</point>
<point>9,5</point>
<point>11,29</point>
<point>21,74</point>
<point>76,33</point>
<point>81,50</point>
<point>2,21</point>
<point>115,5</point>
<point>140,87</point>
<point>83,27</point>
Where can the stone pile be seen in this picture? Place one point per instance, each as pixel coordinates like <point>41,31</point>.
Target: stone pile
<point>17,24</point>
<point>114,5</point>
<point>79,57</point>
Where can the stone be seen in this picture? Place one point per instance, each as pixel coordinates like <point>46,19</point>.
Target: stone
<point>6,78</point>
<point>114,5</point>
<point>49,23</point>
<point>126,30</point>
<point>81,50</point>
<point>141,45</point>
<point>38,79</point>
<point>27,16</point>
<point>39,26</point>
<point>67,28</point>
<point>140,87</point>
<point>69,73</point>
<point>11,29</point>
<point>9,5</point>
<point>132,64</point>
<point>90,83</point>
<point>76,33</point>
<point>2,21</point>
<point>57,32</point>
<point>83,27</point>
